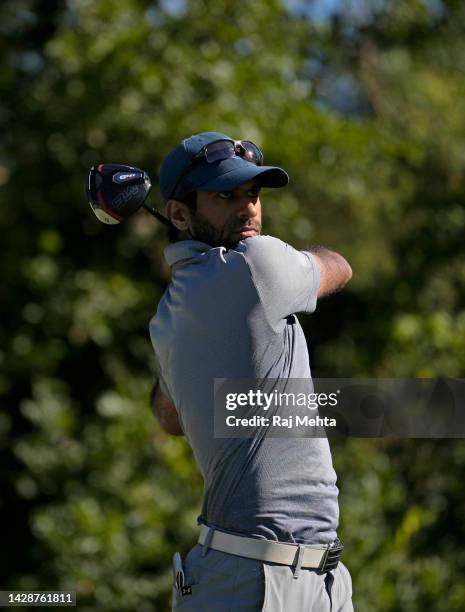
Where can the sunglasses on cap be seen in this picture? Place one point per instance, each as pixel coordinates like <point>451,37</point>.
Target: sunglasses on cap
<point>219,150</point>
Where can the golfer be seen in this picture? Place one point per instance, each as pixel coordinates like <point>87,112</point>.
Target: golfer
<point>270,511</point>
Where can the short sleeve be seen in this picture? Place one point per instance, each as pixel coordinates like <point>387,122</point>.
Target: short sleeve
<point>287,280</point>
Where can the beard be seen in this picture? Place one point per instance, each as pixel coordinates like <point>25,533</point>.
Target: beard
<point>204,231</point>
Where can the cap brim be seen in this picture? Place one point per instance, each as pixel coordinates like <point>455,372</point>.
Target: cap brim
<point>267,176</point>
<point>229,174</point>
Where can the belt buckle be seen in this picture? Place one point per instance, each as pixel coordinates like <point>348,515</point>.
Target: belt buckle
<point>331,557</point>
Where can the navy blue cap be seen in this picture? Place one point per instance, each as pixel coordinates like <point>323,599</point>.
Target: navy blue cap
<point>217,176</point>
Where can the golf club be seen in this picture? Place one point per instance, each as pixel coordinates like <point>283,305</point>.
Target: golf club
<point>116,191</point>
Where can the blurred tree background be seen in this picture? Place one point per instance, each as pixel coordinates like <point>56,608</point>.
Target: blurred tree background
<point>364,103</point>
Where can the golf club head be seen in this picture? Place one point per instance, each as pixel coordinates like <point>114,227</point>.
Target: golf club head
<point>115,191</point>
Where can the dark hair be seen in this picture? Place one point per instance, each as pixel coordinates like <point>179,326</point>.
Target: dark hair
<point>190,200</point>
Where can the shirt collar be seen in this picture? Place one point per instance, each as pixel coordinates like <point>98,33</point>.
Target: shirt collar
<point>183,250</point>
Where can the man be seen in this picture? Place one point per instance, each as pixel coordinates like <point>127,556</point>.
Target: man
<point>270,509</point>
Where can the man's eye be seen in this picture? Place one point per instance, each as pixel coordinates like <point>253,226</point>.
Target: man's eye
<point>225,195</point>
<point>254,192</point>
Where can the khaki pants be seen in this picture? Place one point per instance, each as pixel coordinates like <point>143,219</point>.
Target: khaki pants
<point>220,582</point>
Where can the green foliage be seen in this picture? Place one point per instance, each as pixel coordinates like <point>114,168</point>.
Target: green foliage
<point>366,111</point>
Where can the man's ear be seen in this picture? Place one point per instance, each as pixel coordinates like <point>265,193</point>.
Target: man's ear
<point>179,214</point>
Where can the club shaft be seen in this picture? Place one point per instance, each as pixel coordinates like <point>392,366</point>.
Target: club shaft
<point>157,215</point>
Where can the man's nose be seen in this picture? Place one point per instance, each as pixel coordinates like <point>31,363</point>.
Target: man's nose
<point>248,209</point>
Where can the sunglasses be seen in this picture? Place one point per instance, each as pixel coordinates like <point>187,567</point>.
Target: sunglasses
<point>219,150</point>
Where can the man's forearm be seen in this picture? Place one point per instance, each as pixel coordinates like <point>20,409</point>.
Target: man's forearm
<point>335,271</point>
<point>165,411</point>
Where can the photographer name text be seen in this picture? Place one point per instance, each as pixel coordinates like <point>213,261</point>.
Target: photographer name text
<point>282,422</point>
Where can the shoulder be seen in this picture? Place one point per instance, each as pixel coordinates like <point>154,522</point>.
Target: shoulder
<point>286,279</point>
<point>260,243</point>
<point>268,252</point>
<point>263,255</point>
<point>263,249</point>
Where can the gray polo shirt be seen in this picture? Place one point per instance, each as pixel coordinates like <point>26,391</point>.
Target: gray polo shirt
<point>230,314</point>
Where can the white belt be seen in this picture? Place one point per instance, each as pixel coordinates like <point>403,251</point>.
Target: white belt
<point>313,556</point>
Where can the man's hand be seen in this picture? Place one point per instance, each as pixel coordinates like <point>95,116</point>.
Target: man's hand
<point>165,411</point>
<point>335,272</point>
